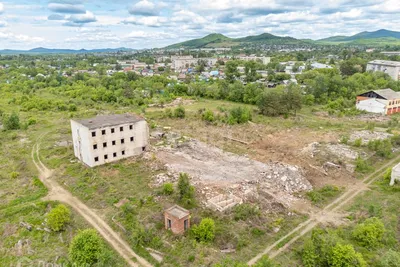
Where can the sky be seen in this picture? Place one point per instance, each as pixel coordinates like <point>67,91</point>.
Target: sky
<point>76,24</point>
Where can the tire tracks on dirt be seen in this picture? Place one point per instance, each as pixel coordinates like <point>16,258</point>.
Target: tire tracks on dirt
<point>316,218</point>
<point>58,193</point>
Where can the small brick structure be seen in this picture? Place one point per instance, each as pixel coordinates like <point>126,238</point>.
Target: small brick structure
<point>177,219</point>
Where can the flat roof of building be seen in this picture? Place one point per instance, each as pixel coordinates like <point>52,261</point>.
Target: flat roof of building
<point>109,120</point>
<point>177,212</point>
<point>385,62</point>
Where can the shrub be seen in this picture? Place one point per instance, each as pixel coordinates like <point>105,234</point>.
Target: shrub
<point>205,231</point>
<point>264,262</point>
<point>208,116</point>
<point>358,142</point>
<point>168,189</point>
<point>369,233</point>
<point>14,175</point>
<point>245,211</point>
<point>328,191</point>
<point>383,148</point>
<point>168,113</point>
<point>11,122</point>
<point>390,259</point>
<point>239,115</point>
<point>345,256</point>
<point>179,112</point>
<point>388,175</point>
<point>58,217</point>
<point>86,248</point>
<point>344,139</point>
<point>31,121</point>
<point>308,256</point>
<point>362,165</point>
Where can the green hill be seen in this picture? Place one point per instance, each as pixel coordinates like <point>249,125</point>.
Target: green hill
<point>220,40</point>
<point>380,37</point>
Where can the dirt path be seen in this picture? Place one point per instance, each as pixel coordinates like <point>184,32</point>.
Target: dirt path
<point>329,212</point>
<point>56,192</point>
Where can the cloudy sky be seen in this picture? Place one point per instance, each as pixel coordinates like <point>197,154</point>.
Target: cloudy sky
<point>76,24</point>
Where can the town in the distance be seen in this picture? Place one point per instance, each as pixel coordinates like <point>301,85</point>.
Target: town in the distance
<point>255,151</point>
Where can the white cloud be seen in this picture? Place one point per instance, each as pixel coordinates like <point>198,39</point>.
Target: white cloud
<point>1,7</point>
<point>149,35</point>
<point>66,8</point>
<point>19,38</point>
<point>144,8</point>
<point>3,24</point>
<point>152,21</point>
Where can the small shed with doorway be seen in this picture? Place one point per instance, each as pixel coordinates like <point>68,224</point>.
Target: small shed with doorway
<point>395,176</point>
<point>177,219</point>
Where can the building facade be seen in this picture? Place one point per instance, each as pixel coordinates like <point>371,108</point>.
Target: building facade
<point>177,219</point>
<point>385,101</point>
<point>392,68</point>
<point>109,138</point>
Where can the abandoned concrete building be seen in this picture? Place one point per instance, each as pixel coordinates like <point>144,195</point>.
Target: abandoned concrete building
<point>395,176</point>
<point>177,219</point>
<point>109,138</point>
<point>390,67</point>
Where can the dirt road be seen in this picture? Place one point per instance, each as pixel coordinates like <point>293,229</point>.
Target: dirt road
<point>56,192</point>
<point>321,216</point>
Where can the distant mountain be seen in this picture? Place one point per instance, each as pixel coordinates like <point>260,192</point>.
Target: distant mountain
<point>42,50</point>
<point>381,36</point>
<point>220,40</point>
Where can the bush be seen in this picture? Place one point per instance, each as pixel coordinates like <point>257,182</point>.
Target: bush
<point>58,217</point>
<point>179,112</point>
<point>328,191</point>
<point>345,256</point>
<point>357,142</point>
<point>168,189</point>
<point>387,175</point>
<point>239,115</point>
<point>264,262</point>
<point>383,148</point>
<point>31,121</point>
<point>168,113</point>
<point>362,165</point>
<point>14,175</point>
<point>205,231</point>
<point>86,248</point>
<point>208,116</point>
<point>369,233</point>
<point>245,211</point>
<point>344,139</point>
<point>390,259</point>
<point>308,256</point>
<point>11,122</point>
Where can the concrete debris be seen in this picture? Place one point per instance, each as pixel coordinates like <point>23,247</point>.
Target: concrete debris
<point>311,149</point>
<point>121,202</point>
<point>212,165</point>
<point>179,101</point>
<point>22,247</point>
<point>372,117</point>
<point>342,151</point>
<point>367,136</point>
<point>328,165</point>
<point>26,225</point>
<point>63,143</point>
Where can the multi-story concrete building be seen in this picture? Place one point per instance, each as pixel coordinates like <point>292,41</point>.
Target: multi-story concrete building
<point>264,60</point>
<point>184,62</point>
<point>390,67</point>
<point>108,138</point>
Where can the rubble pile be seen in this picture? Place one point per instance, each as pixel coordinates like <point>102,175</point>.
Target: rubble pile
<point>211,165</point>
<point>342,151</point>
<point>367,136</point>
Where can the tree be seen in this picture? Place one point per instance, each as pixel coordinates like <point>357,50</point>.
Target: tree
<point>345,256</point>
<point>308,254</point>
<point>205,231</point>
<point>250,71</point>
<point>231,71</point>
<point>11,122</point>
<point>185,190</point>
<point>58,217</point>
<point>270,104</point>
<point>293,98</point>
<point>86,248</point>
<point>370,232</point>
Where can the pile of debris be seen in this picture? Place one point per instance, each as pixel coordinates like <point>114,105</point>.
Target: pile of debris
<point>342,151</point>
<point>367,136</point>
<point>211,165</point>
<point>179,101</point>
